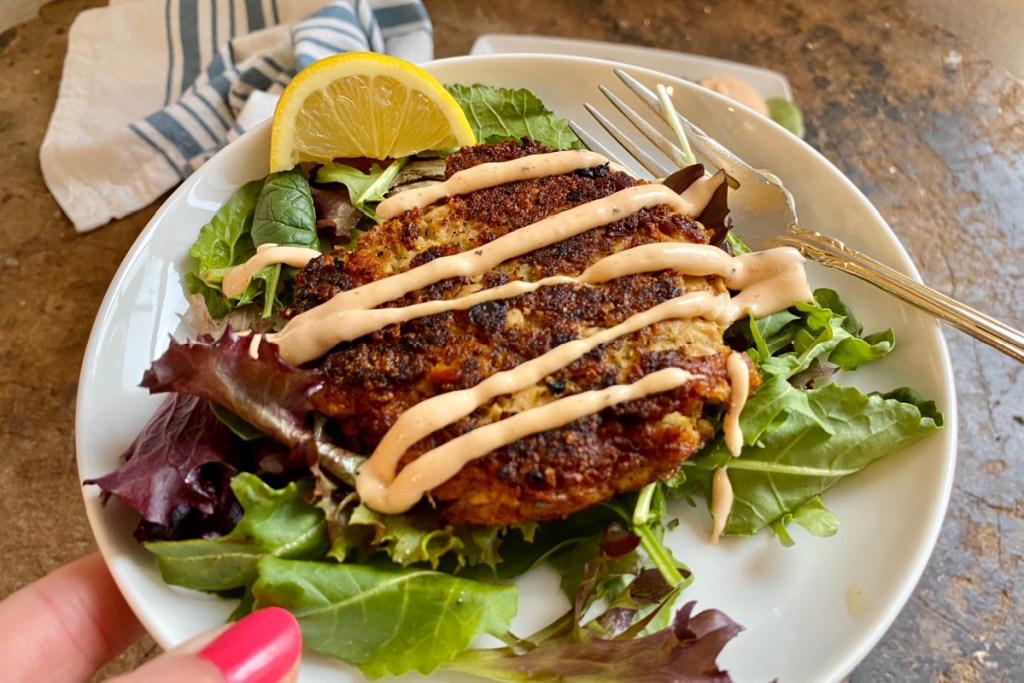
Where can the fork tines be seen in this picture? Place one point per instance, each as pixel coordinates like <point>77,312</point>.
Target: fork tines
<point>667,147</point>
<point>658,169</point>
<point>652,165</point>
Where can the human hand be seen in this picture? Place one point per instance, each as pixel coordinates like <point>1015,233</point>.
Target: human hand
<point>67,625</point>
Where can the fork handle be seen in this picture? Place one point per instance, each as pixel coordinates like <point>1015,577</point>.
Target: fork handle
<point>833,253</point>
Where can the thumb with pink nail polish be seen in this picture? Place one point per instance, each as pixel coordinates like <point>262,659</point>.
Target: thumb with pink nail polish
<point>263,647</point>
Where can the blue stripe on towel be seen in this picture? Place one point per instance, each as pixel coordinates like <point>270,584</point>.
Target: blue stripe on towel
<point>330,30</point>
<point>194,127</point>
<point>369,25</point>
<point>345,27</point>
<point>199,119</point>
<point>218,65</point>
<point>254,15</point>
<point>336,10</point>
<point>272,71</point>
<point>315,49</point>
<point>137,129</point>
<point>175,134</point>
<point>188,14</point>
<point>398,15</point>
<point>170,52</point>
<point>278,67</point>
<point>256,78</point>
<point>337,38</point>
<point>201,96</point>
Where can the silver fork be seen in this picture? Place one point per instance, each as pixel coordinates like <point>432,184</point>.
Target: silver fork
<point>769,218</point>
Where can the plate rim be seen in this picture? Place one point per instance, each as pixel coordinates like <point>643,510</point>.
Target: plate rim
<point>624,53</point>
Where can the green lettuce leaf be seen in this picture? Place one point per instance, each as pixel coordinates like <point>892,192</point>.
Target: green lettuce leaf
<point>218,245</point>
<point>532,545</point>
<point>736,244</point>
<point>497,114</point>
<point>786,114</point>
<point>277,209</point>
<point>365,190</point>
<point>792,341</point>
<point>645,512</point>
<point>383,619</point>
<point>800,439</point>
<point>284,212</point>
<point>799,443</point>
<point>216,303</point>
<point>417,536</point>
<point>284,216</point>
<point>812,516</point>
<point>222,243</point>
<point>275,523</point>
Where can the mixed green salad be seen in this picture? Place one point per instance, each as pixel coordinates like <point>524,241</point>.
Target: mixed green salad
<point>242,494</point>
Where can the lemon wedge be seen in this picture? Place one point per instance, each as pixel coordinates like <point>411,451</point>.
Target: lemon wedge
<point>363,104</point>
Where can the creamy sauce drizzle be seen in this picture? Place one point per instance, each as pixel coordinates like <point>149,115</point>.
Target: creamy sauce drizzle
<point>490,175</point>
<point>767,281</point>
<point>238,278</point>
<point>442,463</point>
<point>721,501</point>
<point>739,381</point>
<point>306,337</point>
<point>254,346</point>
<point>332,327</point>
<point>701,190</point>
<point>383,490</point>
<point>376,481</point>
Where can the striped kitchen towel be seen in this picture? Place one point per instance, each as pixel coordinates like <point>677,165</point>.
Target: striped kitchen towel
<point>151,89</point>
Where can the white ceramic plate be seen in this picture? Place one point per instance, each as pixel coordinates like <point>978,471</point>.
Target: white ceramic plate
<point>801,623</point>
<point>692,67</point>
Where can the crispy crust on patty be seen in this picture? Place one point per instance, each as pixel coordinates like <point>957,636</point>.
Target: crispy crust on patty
<point>372,380</point>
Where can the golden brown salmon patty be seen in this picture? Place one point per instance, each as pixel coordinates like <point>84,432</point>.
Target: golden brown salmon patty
<point>373,379</point>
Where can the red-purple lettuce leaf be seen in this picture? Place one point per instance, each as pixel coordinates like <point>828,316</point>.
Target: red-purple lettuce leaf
<point>266,392</point>
<point>631,640</point>
<point>606,573</point>
<point>715,216</point>
<point>648,592</point>
<point>684,652</point>
<point>684,177</point>
<point>182,460</point>
<point>177,471</point>
<point>336,218</point>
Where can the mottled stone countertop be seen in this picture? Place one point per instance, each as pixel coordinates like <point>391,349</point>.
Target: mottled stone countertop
<point>923,124</point>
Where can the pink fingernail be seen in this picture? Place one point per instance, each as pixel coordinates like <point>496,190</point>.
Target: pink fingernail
<point>260,648</point>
